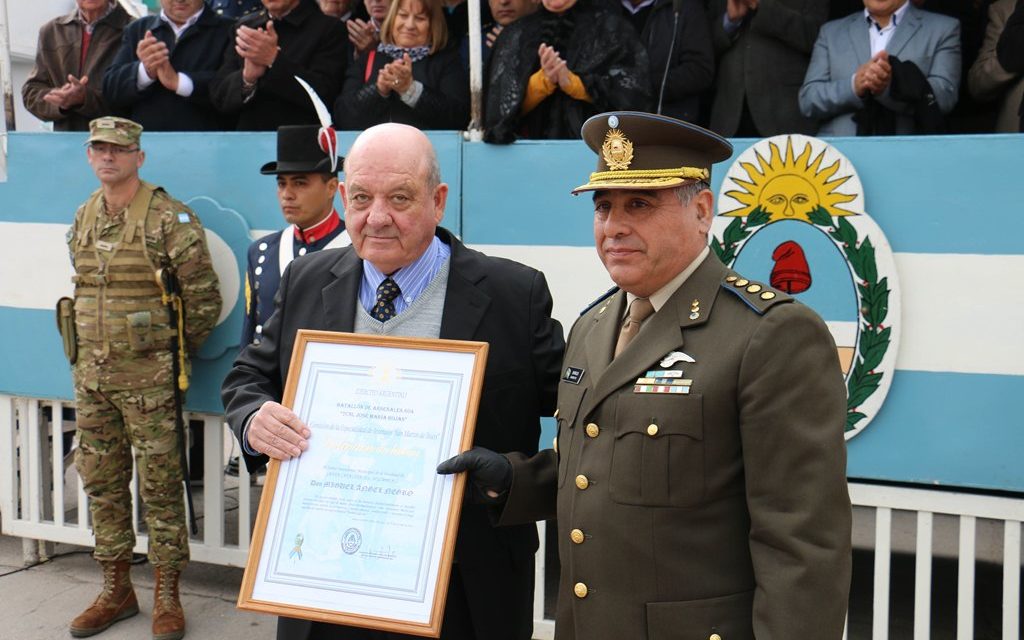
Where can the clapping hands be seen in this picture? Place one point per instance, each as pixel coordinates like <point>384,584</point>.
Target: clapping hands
<point>258,49</point>
<point>69,95</point>
<point>554,67</point>
<point>395,76</point>
<point>873,76</point>
<point>155,58</point>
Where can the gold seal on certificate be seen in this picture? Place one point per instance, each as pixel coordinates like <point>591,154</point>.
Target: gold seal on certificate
<point>360,529</point>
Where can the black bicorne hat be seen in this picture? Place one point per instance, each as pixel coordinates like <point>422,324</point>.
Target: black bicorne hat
<point>299,151</point>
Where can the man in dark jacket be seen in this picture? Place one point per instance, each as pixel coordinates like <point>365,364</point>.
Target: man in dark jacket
<point>691,68</point>
<point>763,48</point>
<point>74,51</point>
<point>162,73</point>
<point>288,38</point>
<point>440,289</point>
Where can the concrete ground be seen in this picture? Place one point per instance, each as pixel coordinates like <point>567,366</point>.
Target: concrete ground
<point>39,602</point>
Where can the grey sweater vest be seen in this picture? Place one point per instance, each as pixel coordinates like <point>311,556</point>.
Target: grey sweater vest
<point>421,319</point>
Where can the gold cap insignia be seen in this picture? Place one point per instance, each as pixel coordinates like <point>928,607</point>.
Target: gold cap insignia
<point>617,150</point>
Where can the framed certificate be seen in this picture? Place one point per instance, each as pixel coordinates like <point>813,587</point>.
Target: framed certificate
<point>360,529</point>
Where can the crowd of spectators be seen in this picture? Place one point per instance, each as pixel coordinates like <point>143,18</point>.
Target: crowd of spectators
<point>743,68</point>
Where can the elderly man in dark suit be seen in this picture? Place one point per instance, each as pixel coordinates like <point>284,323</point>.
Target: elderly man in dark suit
<point>394,201</point>
<point>700,467</point>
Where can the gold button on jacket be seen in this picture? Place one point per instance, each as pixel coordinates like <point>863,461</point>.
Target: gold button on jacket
<point>582,482</point>
<point>593,430</point>
<point>577,536</point>
<point>580,590</point>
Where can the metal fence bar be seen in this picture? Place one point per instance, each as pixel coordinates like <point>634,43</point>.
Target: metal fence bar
<point>213,481</point>
<point>24,459</point>
<point>8,472</point>
<point>542,630</point>
<point>244,502</point>
<point>1011,580</point>
<point>965,579</point>
<point>883,549</point>
<point>923,577</point>
<point>32,441</point>
<point>946,502</point>
<point>57,461</point>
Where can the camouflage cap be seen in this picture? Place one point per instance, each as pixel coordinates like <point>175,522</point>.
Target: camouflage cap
<point>644,151</point>
<point>115,131</point>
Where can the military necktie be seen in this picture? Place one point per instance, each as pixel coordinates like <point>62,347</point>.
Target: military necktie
<point>387,291</point>
<point>639,310</point>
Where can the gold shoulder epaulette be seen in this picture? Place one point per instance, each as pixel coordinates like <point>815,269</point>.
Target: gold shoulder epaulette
<point>756,295</point>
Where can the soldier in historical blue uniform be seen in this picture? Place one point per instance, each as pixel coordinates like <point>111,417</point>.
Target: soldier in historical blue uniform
<point>307,180</point>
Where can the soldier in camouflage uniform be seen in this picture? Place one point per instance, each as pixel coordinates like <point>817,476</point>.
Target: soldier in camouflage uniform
<point>124,385</point>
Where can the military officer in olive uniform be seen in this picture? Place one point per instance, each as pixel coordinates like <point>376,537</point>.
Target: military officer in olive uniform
<point>307,180</point>
<point>122,368</point>
<point>700,466</point>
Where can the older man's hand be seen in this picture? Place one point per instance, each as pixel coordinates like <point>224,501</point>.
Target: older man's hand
<point>362,34</point>
<point>71,94</point>
<point>276,431</point>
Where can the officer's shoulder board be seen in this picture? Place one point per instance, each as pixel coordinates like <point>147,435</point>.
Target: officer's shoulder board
<point>758,296</point>
<point>604,296</point>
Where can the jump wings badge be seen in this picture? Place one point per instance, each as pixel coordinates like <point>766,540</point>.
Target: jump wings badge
<point>617,150</point>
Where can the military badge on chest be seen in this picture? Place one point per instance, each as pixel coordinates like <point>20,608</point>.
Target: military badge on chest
<point>669,379</point>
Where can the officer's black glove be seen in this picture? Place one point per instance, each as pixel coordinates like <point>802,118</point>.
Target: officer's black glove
<point>490,473</point>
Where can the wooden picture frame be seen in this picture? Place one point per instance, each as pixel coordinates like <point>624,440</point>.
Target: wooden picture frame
<point>339,528</point>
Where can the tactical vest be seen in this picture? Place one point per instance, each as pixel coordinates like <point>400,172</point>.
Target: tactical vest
<point>118,305</point>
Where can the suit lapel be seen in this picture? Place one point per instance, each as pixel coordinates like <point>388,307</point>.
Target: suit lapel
<point>663,333</point>
<point>904,31</point>
<point>342,294</point>
<point>860,38</point>
<point>464,302</point>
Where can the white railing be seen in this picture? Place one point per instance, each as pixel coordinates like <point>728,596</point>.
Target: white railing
<point>33,506</point>
<point>968,508</point>
<point>32,480</point>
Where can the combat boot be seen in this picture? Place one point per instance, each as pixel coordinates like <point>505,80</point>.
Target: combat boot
<point>168,616</point>
<point>116,601</point>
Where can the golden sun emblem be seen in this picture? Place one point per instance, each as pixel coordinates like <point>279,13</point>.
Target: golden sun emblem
<point>788,188</point>
<point>617,150</point>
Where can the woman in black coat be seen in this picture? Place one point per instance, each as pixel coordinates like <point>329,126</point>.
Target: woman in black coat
<point>412,77</point>
<point>552,70</point>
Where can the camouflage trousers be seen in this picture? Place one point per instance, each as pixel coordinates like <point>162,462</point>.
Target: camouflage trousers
<point>110,425</point>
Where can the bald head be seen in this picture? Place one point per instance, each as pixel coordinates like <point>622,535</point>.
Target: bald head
<point>393,194</point>
<point>393,139</point>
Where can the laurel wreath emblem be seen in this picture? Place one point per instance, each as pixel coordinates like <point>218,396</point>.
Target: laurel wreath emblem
<point>872,296</point>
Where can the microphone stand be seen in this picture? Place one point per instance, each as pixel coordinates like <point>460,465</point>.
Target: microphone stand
<point>677,8</point>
